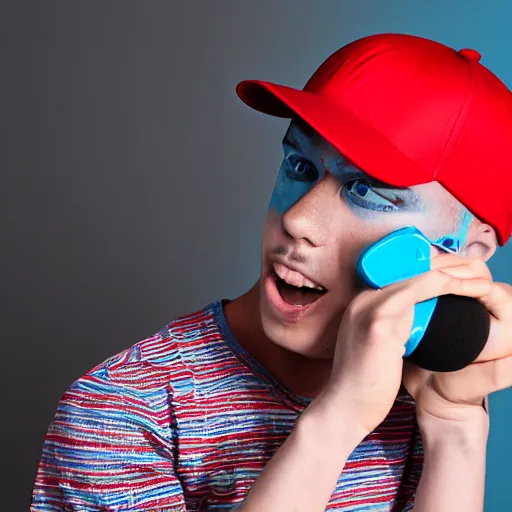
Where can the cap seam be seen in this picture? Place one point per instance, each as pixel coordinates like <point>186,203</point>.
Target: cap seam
<point>376,132</point>
<point>458,126</point>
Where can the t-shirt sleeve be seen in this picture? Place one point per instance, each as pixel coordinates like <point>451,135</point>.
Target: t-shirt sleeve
<point>111,444</point>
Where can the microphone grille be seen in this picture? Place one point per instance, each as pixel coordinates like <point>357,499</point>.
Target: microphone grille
<point>455,335</point>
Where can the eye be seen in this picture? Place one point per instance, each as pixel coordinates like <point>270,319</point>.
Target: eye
<point>366,195</point>
<point>359,187</point>
<point>300,169</point>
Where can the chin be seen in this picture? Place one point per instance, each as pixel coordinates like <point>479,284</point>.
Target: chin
<point>313,336</point>
<point>308,343</point>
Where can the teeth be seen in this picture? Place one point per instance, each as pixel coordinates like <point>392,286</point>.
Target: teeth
<point>295,278</point>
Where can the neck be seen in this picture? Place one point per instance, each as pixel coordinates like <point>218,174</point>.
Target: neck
<point>301,375</point>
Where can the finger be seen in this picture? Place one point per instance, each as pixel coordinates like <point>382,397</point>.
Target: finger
<point>499,304</point>
<point>432,284</point>
<point>467,271</point>
<point>498,345</point>
<point>498,300</point>
<point>478,379</point>
<point>446,259</point>
<point>448,262</point>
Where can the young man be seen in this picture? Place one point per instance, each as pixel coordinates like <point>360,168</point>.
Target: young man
<point>304,374</point>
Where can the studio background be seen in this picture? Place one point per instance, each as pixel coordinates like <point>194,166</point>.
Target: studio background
<point>135,183</point>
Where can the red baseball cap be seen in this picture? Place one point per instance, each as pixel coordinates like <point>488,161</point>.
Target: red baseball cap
<point>408,110</point>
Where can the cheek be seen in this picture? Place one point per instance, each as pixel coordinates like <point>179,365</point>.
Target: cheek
<point>375,225</point>
<point>433,225</point>
<point>429,222</point>
<point>436,225</point>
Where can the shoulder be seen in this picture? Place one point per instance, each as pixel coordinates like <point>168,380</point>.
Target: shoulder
<point>118,416</point>
<point>142,375</point>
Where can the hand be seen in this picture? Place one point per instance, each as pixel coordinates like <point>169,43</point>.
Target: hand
<point>368,360</point>
<point>458,396</point>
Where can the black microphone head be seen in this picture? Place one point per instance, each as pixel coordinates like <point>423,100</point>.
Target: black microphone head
<point>455,335</point>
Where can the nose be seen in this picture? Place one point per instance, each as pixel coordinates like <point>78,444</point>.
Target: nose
<point>316,216</point>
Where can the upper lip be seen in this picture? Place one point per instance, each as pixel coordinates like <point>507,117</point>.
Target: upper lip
<point>296,269</point>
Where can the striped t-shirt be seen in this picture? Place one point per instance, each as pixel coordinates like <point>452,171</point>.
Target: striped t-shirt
<point>186,420</point>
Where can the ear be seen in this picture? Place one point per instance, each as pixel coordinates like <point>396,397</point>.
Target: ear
<point>482,242</point>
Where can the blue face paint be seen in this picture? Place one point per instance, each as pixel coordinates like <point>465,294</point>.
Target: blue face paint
<point>448,243</point>
<point>454,243</point>
<point>466,220</point>
<point>297,176</point>
<point>308,159</point>
<point>365,195</point>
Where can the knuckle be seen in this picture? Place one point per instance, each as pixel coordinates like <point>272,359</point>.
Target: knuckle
<point>480,268</point>
<point>394,305</point>
<point>380,319</point>
<point>369,317</point>
<point>443,280</point>
<point>362,302</point>
<point>356,304</point>
<point>504,292</point>
<point>479,285</point>
<point>390,306</point>
<point>376,328</point>
<point>505,287</point>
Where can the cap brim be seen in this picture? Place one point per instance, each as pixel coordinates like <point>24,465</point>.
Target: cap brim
<point>353,138</point>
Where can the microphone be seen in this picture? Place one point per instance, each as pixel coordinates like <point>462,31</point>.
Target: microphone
<point>455,335</point>
<point>449,331</point>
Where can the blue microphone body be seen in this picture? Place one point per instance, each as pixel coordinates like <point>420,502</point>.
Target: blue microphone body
<point>454,329</point>
<point>400,255</point>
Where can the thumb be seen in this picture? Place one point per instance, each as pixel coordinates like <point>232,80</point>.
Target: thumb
<point>414,378</point>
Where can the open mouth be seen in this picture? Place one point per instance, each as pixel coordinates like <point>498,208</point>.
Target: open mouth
<point>295,290</point>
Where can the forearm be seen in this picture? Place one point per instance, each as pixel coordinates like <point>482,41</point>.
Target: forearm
<point>303,473</point>
<point>453,476</point>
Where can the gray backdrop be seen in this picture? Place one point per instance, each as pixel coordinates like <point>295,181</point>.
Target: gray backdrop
<point>134,183</point>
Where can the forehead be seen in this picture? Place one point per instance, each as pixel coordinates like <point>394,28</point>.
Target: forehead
<point>302,135</point>
<point>312,145</point>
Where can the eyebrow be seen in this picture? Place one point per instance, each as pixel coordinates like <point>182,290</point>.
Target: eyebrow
<point>383,184</point>
<point>358,172</point>
<point>290,140</point>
